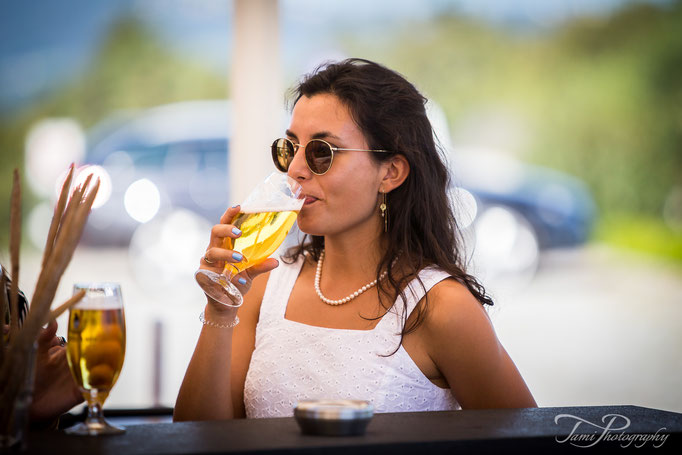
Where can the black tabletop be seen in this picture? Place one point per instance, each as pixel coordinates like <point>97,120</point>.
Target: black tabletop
<point>485,431</point>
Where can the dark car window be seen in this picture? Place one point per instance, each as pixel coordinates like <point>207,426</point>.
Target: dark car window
<point>189,156</point>
<point>148,156</point>
<point>214,154</point>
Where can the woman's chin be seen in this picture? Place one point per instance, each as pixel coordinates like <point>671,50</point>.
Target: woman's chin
<point>308,225</point>
<point>310,230</point>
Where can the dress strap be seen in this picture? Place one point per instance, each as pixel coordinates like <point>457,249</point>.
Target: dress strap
<point>393,321</point>
<point>278,289</point>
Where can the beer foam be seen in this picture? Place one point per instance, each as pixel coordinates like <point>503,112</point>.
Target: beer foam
<point>293,205</point>
<point>272,195</point>
<point>99,303</point>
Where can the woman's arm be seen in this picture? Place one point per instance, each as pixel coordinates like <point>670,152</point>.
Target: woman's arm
<point>214,376</point>
<point>465,348</point>
<point>244,342</point>
<point>213,387</point>
<point>205,390</point>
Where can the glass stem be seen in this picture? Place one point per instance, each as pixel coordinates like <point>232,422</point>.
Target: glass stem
<point>229,272</point>
<point>95,413</point>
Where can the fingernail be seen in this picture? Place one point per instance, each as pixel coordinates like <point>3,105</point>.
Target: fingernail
<point>235,206</point>
<point>236,231</point>
<point>242,281</point>
<point>237,256</point>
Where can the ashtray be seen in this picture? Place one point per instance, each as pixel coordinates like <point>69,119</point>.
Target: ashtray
<point>333,417</point>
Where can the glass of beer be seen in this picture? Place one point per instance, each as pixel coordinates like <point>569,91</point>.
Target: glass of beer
<point>95,351</point>
<point>265,218</point>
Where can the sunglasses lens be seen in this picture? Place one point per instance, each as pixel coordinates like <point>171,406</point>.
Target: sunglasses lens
<point>282,153</point>
<point>318,155</point>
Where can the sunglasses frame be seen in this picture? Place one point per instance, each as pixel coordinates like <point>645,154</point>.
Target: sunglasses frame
<point>295,147</point>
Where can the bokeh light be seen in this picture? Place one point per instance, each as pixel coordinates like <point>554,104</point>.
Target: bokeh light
<point>142,200</point>
<point>164,254</point>
<point>51,146</point>
<point>465,207</point>
<point>506,251</point>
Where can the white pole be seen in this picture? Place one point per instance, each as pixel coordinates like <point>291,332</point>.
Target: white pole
<point>256,93</point>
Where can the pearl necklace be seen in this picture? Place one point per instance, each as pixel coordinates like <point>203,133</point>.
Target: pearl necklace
<point>318,275</point>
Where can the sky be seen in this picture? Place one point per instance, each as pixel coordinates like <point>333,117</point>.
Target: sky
<point>44,42</point>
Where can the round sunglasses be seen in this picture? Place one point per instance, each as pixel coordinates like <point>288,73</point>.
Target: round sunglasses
<point>319,154</point>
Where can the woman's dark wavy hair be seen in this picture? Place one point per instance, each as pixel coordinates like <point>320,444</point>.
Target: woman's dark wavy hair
<point>423,230</point>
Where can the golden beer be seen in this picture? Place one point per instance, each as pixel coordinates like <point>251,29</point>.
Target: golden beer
<point>262,233</point>
<point>266,216</point>
<point>96,347</point>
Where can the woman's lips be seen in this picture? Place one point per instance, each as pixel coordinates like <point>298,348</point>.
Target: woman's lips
<point>309,200</point>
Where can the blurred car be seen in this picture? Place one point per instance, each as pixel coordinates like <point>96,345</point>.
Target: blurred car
<point>158,160</point>
<point>175,156</point>
<point>558,206</point>
<point>511,211</point>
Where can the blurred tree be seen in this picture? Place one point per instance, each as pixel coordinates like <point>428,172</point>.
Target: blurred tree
<point>134,70</point>
<point>600,98</point>
<point>619,124</point>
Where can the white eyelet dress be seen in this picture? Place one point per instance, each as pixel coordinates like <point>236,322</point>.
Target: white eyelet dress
<point>294,361</point>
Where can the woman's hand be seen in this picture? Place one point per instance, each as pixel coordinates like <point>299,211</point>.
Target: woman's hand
<point>217,256</point>
<point>55,390</point>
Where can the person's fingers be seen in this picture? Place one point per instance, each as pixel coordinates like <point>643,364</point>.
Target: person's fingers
<point>229,214</point>
<point>217,257</point>
<point>214,259</point>
<point>223,231</point>
<point>56,352</point>
<point>243,280</point>
<point>263,267</point>
<point>216,254</point>
<point>220,232</point>
<point>47,335</point>
<point>54,341</point>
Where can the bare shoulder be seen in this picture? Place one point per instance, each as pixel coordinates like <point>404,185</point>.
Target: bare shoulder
<point>456,324</point>
<point>462,343</point>
<point>452,305</point>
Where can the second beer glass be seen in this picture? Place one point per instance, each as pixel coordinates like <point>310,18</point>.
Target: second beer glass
<point>95,350</point>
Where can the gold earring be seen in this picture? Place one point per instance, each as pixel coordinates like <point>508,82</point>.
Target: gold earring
<point>383,207</point>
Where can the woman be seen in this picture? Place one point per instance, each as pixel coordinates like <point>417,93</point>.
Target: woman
<point>377,305</point>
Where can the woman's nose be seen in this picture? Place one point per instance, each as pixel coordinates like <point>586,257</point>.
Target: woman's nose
<point>298,169</point>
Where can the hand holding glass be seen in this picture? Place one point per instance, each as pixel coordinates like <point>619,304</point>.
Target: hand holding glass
<point>265,218</point>
<point>95,351</point>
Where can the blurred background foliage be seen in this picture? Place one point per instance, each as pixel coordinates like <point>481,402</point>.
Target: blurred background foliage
<point>600,98</point>
<point>131,70</point>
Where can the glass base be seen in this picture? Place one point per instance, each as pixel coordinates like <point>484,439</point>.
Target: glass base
<point>219,288</point>
<point>93,428</point>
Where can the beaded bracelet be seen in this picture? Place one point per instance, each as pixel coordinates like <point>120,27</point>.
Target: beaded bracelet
<point>204,321</point>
